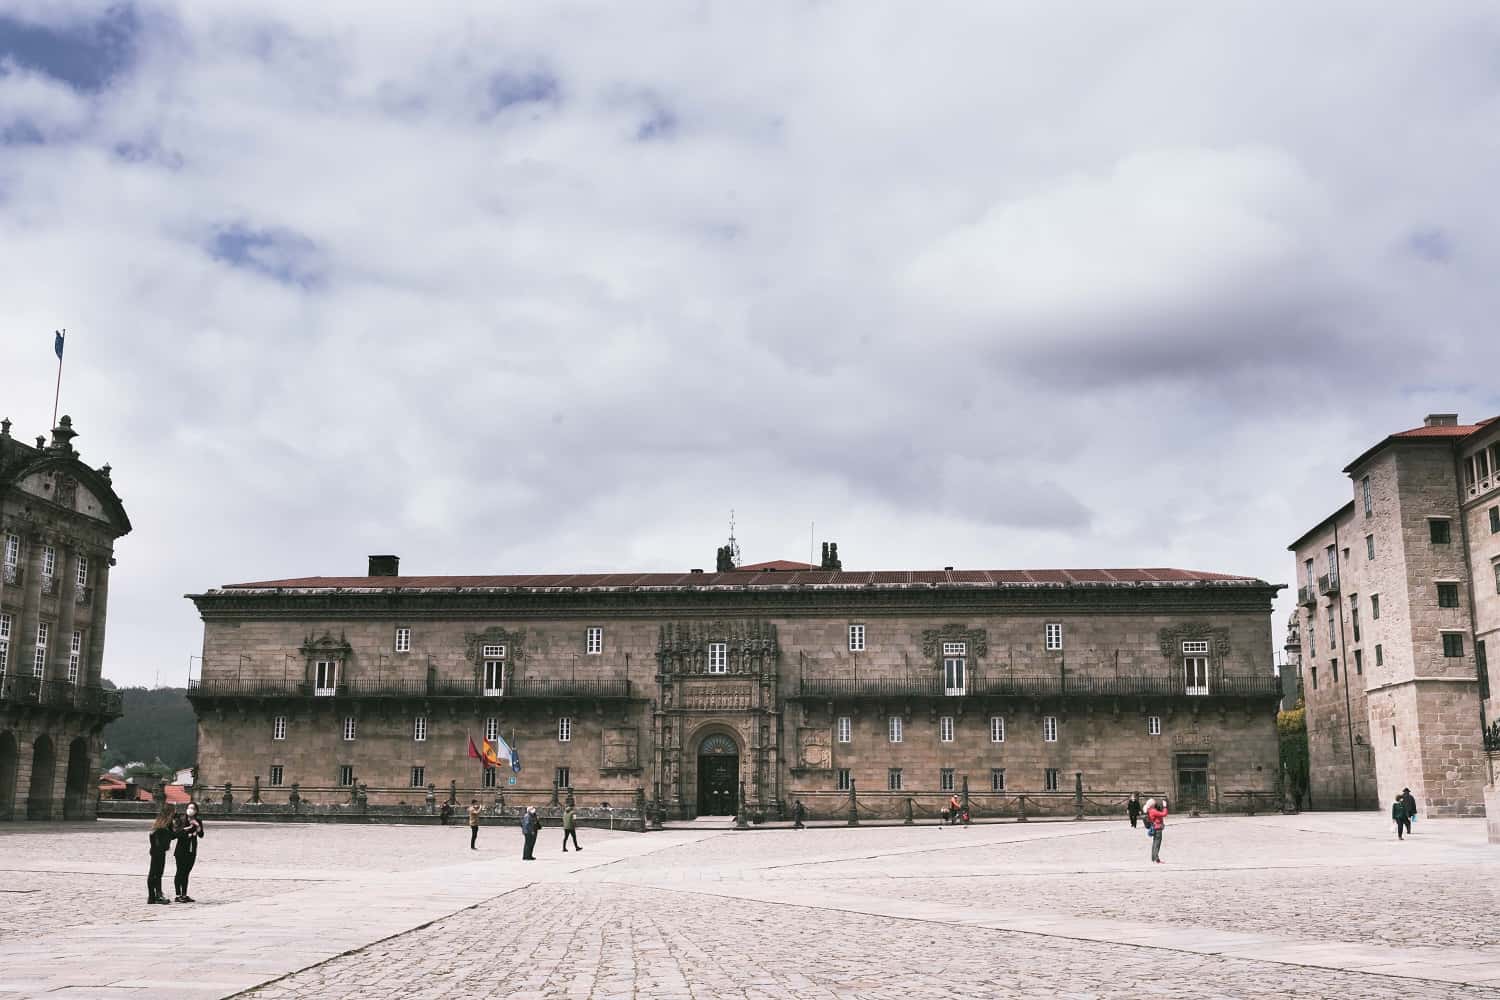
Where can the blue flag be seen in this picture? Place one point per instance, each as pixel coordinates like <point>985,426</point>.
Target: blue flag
<point>57,344</point>
<point>515,760</point>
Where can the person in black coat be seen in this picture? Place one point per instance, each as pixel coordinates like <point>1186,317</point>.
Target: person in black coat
<point>531,825</point>
<point>1410,801</point>
<point>1133,809</point>
<point>189,832</point>
<point>163,832</point>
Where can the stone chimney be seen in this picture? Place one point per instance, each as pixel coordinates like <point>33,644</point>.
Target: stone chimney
<point>63,435</point>
<point>385,565</point>
<point>1440,420</point>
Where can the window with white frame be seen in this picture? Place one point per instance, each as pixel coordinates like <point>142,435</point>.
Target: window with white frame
<point>277,772</point>
<point>12,549</point>
<point>997,729</point>
<point>945,779</point>
<point>893,780</point>
<point>841,779</point>
<point>39,663</point>
<point>894,728</point>
<point>1049,780</point>
<point>494,677</point>
<point>997,779</point>
<point>945,729</point>
<point>955,655</point>
<point>1049,729</point>
<point>403,639</point>
<point>75,655</point>
<point>1054,636</point>
<point>325,678</point>
<point>418,777</point>
<point>564,729</point>
<point>492,728</point>
<point>419,729</point>
<point>856,638</point>
<point>1153,725</point>
<point>4,644</point>
<point>492,652</point>
<point>83,571</point>
<point>278,728</point>
<point>593,640</point>
<point>845,729</point>
<point>49,560</point>
<point>346,775</point>
<point>718,657</point>
<point>351,728</point>
<point>491,778</point>
<point>1195,668</point>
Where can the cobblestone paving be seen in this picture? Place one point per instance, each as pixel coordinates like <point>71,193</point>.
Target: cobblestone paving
<point>627,941</point>
<point>32,901</point>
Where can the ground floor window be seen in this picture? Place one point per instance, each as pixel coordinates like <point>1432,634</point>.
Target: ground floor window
<point>276,773</point>
<point>997,779</point>
<point>561,778</point>
<point>346,775</point>
<point>945,779</point>
<point>842,780</point>
<point>490,777</point>
<point>893,779</point>
<point>418,777</point>
<point>1049,781</point>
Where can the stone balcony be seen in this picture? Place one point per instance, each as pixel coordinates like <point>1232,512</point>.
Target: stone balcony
<point>28,693</point>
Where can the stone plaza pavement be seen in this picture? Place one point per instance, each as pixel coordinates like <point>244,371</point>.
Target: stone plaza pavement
<point>1316,905</point>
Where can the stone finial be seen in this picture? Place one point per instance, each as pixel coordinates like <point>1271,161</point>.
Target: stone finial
<point>63,434</point>
<point>5,427</point>
<point>105,471</point>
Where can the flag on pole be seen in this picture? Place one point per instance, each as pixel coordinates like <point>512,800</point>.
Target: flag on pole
<point>57,343</point>
<point>502,748</point>
<point>473,751</point>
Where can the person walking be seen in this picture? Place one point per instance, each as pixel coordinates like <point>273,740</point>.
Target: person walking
<point>1410,802</point>
<point>570,828</point>
<point>799,816</point>
<point>161,836</point>
<point>530,824</point>
<point>1156,819</point>
<point>955,807</point>
<point>1400,816</point>
<point>189,832</point>
<point>473,823</point>
<point>1133,808</point>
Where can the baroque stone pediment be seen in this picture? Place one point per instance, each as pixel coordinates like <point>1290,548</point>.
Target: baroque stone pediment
<point>514,641</point>
<point>1173,637</point>
<point>977,640</point>
<point>327,647</point>
<point>741,635</point>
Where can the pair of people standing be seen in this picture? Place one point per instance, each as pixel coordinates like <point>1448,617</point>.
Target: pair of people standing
<point>185,831</point>
<point>1403,811</point>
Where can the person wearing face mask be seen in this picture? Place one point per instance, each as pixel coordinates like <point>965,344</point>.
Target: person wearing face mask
<point>189,832</point>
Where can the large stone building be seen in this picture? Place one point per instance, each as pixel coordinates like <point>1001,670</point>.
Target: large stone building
<point>773,683</point>
<point>1399,596</point>
<point>59,519</point>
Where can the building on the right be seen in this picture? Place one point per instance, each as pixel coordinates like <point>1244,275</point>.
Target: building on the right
<point>1398,594</point>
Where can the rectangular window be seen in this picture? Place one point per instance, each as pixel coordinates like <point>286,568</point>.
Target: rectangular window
<point>1369,547</point>
<point>1497,576</point>
<point>1453,644</point>
<point>856,638</point>
<point>1153,725</point>
<point>718,658</point>
<point>1354,615</point>
<point>1195,675</point>
<point>1393,736</point>
<point>39,663</point>
<point>83,571</point>
<point>561,778</point>
<point>12,549</point>
<point>418,777</point>
<point>1315,678</point>
<point>1054,636</point>
<point>1334,669</point>
<point>1049,780</point>
<point>49,560</point>
<point>1195,648</point>
<point>1375,606</point>
<point>491,728</point>
<point>325,678</point>
<point>945,729</point>
<point>1364,489</point>
<point>1312,639</point>
<point>1439,530</point>
<point>419,729</point>
<point>1447,595</point>
<point>945,779</point>
<point>953,676</point>
<point>845,729</point>
<point>955,649</point>
<point>893,779</point>
<point>1049,729</point>
<point>1379,656</point>
<point>997,729</point>
<point>1359,662</point>
<point>841,780</point>
<point>75,650</point>
<point>346,775</point>
<point>1494,520</point>
<point>894,728</point>
<point>490,778</point>
<point>4,644</point>
<point>1332,556</point>
<point>593,641</point>
<point>1312,575</point>
<point>351,729</point>
<point>492,652</point>
<point>276,775</point>
<point>997,779</point>
<point>564,729</point>
<point>1482,663</point>
<point>1333,630</point>
<point>403,640</point>
<point>494,678</point>
<point>278,728</point>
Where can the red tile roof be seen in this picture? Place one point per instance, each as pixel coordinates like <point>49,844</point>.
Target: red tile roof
<point>750,577</point>
<point>1449,432</point>
<point>777,564</point>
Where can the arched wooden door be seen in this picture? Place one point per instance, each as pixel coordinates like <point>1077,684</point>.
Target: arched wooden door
<point>718,776</point>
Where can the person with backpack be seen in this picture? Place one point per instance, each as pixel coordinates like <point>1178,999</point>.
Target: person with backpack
<point>1400,816</point>
<point>1156,821</point>
<point>163,832</point>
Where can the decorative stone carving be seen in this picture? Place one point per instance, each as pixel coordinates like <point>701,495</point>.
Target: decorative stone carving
<point>514,641</point>
<point>327,647</point>
<point>716,695</point>
<point>620,749</point>
<point>812,748</point>
<point>1172,638</point>
<point>933,639</point>
<point>745,637</point>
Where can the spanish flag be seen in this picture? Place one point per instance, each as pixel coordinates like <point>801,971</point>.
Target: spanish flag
<point>485,752</point>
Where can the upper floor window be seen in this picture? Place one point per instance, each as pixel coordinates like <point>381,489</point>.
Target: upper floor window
<point>593,641</point>
<point>997,729</point>
<point>492,652</point>
<point>1314,673</point>
<point>953,671</point>
<point>1354,615</point>
<point>1332,556</point>
<point>491,728</point>
<point>278,771</point>
<point>403,640</point>
<point>1054,636</point>
<point>564,729</point>
<point>12,549</point>
<point>1049,729</point>
<point>1312,639</point>
<point>1195,675</point>
<point>894,728</point>
<point>856,638</point>
<point>39,664</point>
<point>350,728</point>
<point>75,655</point>
<point>346,775</point>
<point>419,728</point>
<point>1453,644</point>
<point>1332,629</point>
<point>945,779</point>
<point>325,677</point>
<point>4,643</point>
<point>1379,655</point>
<point>845,729</point>
<point>1447,594</point>
<point>83,571</point>
<point>1153,725</point>
<point>1494,520</point>
<point>278,728</point>
<point>1369,547</point>
<point>1439,530</point>
<point>945,729</point>
<point>1312,575</point>
<point>1364,489</point>
<point>1374,607</point>
<point>718,658</point>
<point>418,777</point>
<point>49,560</point>
<point>494,677</point>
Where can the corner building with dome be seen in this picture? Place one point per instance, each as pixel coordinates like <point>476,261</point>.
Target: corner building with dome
<point>746,690</point>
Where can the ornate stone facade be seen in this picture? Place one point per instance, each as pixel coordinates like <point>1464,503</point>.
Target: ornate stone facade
<point>743,691</point>
<point>59,519</point>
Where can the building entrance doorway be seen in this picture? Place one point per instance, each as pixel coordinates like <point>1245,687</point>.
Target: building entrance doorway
<point>718,776</point>
<point>1192,782</point>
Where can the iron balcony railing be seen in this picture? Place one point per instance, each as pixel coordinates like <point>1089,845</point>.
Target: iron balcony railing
<point>1307,596</point>
<point>95,700</point>
<point>1040,686</point>
<point>1328,584</point>
<point>235,687</point>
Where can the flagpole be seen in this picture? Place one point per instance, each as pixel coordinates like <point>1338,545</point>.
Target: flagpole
<point>57,393</point>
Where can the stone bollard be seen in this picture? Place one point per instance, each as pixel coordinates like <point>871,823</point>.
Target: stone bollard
<point>910,819</point>
<point>741,819</point>
<point>967,820</point>
<point>228,798</point>
<point>1021,815</point>
<point>295,798</point>
<point>431,798</point>
<point>255,792</point>
<point>853,805</point>
<point>656,814</point>
<point>1078,795</point>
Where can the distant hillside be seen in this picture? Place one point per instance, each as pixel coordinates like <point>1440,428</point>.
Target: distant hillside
<point>157,723</point>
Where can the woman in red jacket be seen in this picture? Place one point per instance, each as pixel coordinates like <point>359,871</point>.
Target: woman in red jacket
<point>1156,818</point>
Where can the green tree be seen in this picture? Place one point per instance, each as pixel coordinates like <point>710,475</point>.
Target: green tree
<point>1291,728</point>
<point>158,725</point>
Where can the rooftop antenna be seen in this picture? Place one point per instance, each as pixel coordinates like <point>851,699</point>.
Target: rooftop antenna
<point>811,527</point>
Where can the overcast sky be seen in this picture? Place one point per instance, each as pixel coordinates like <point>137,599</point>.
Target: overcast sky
<point>545,287</point>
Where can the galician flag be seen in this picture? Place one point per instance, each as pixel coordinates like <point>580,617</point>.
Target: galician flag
<point>490,753</point>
